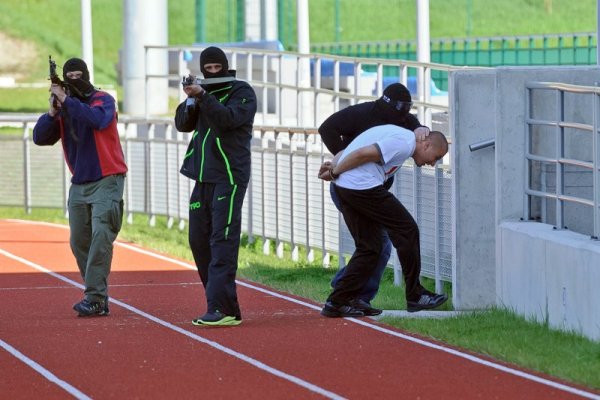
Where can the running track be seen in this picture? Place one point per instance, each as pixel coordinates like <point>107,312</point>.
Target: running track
<point>148,348</point>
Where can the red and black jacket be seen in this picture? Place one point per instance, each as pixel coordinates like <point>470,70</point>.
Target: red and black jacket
<point>94,150</point>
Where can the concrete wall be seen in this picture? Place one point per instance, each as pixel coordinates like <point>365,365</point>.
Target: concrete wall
<point>496,263</point>
<point>550,275</point>
<point>472,113</point>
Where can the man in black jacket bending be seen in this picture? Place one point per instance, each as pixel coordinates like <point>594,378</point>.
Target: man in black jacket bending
<point>220,111</point>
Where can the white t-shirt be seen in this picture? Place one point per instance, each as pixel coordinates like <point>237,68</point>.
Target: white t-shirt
<point>396,145</point>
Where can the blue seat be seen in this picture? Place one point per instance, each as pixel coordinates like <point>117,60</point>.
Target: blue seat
<point>346,68</point>
<point>411,84</point>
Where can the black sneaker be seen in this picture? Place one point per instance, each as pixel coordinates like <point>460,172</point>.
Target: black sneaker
<point>87,308</point>
<point>365,307</point>
<point>106,310</point>
<point>427,301</point>
<point>332,311</point>
<point>217,318</point>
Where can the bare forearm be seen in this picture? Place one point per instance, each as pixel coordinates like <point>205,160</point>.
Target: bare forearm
<point>355,159</point>
<point>330,170</point>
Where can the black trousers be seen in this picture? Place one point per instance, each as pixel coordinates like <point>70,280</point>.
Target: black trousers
<point>214,237</point>
<point>367,213</point>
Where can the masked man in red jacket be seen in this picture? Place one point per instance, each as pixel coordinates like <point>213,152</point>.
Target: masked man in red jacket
<point>84,120</point>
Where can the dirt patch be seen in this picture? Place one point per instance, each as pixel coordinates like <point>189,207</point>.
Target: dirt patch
<point>16,56</point>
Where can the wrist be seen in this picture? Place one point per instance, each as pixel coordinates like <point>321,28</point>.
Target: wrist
<point>333,175</point>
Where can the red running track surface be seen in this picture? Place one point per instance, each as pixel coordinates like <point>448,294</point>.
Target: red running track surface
<point>148,348</point>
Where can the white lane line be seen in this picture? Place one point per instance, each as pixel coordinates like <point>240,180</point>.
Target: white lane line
<point>258,364</point>
<point>366,324</point>
<point>112,285</point>
<point>44,372</point>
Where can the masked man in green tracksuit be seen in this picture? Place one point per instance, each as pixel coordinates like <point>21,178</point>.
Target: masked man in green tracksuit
<point>220,112</point>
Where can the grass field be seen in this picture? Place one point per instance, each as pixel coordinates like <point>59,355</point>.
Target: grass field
<point>54,27</point>
<point>37,28</point>
<point>496,333</point>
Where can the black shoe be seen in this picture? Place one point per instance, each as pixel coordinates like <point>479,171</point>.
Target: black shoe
<point>332,311</point>
<point>217,318</point>
<point>87,308</point>
<point>365,307</point>
<point>106,310</point>
<point>426,301</point>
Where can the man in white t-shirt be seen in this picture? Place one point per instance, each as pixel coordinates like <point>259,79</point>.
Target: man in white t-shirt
<point>359,173</point>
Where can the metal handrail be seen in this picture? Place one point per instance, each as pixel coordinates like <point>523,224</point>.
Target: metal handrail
<point>559,159</point>
<point>482,145</point>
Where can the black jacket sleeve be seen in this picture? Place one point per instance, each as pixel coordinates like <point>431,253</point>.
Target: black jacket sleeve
<point>411,122</point>
<point>335,128</point>
<point>186,117</point>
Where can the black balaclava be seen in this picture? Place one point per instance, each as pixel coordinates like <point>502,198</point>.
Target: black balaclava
<point>81,88</point>
<point>214,55</point>
<point>394,104</point>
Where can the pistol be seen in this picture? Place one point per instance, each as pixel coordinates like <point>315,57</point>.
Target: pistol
<point>189,80</point>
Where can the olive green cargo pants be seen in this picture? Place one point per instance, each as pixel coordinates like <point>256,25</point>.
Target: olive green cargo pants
<point>95,217</point>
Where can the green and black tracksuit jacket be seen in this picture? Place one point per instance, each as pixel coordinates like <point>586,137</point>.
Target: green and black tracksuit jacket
<point>218,159</point>
<point>222,124</point>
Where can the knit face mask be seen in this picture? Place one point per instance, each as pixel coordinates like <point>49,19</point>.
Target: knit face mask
<point>80,87</point>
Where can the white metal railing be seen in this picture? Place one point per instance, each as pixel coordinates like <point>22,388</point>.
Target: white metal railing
<point>563,167</point>
<point>285,201</point>
<point>297,89</point>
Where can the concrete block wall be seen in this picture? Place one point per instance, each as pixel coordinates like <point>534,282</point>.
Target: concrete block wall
<point>550,275</point>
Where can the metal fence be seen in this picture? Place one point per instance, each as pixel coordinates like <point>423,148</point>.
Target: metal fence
<point>285,202</point>
<point>552,49</point>
<point>296,89</point>
<point>563,156</point>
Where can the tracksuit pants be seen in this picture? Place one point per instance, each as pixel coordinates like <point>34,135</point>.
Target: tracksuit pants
<point>367,213</point>
<point>371,286</point>
<point>214,235</point>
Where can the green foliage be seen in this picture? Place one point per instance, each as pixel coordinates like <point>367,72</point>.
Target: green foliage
<point>182,22</point>
<point>372,20</point>
<point>24,100</point>
<point>11,131</point>
<point>54,26</point>
<point>54,29</point>
<point>220,22</point>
